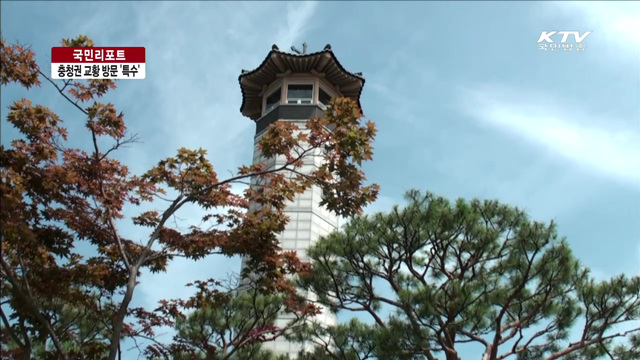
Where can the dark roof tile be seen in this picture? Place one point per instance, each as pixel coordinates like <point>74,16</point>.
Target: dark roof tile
<point>277,62</point>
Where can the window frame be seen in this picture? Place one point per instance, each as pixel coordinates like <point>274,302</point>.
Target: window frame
<point>316,83</point>
<point>326,91</point>
<point>279,102</point>
<point>301,82</point>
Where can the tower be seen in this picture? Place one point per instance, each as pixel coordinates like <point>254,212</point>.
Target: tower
<point>295,87</point>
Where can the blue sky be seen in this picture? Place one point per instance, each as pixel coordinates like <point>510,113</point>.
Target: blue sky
<point>465,103</point>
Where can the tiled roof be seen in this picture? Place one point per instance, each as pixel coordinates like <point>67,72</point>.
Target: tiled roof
<point>252,83</point>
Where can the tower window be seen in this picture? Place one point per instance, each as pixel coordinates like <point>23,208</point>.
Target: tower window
<point>300,94</point>
<point>324,98</point>
<point>273,100</point>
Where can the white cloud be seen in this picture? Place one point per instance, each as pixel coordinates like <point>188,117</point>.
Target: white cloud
<point>297,23</point>
<point>609,147</point>
<point>616,22</point>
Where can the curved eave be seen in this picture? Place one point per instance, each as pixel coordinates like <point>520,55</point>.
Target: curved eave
<point>277,62</point>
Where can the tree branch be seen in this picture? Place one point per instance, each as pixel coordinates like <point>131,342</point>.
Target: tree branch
<point>582,344</point>
<point>34,309</point>
<point>26,350</point>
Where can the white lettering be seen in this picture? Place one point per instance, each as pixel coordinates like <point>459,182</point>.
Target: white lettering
<point>580,38</point>
<point>546,36</point>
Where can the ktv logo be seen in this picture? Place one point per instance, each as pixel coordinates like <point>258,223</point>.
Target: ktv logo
<point>546,42</point>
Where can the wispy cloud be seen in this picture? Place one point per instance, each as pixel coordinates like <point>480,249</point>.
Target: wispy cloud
<point>606,146</point>
<point>297,23</point>
<point>616,22</point>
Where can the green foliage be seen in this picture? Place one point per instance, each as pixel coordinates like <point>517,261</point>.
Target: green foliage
<point>470,271</point>
<point>232,326</point>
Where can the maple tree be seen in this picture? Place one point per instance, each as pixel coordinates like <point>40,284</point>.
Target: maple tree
<point>63,303</point>
<point>435,275</point>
